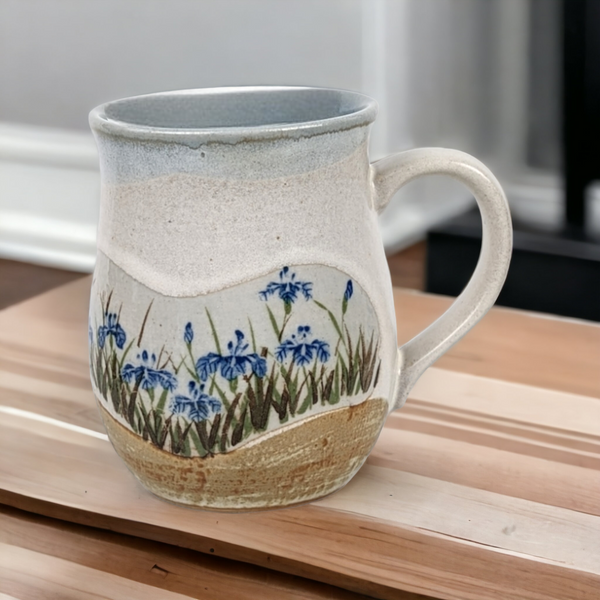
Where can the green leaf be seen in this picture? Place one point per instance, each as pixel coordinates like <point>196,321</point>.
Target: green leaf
<point>187,451</point>
<point>193,374</point>
<point>273,322</point>
<point>333,320</point>
<point>222,395</point>
<point>197,444</point>
<point>336,386</point>
<point>214,332</point>
<point>125,352</point>
<point>175,434</point>
<point>139,420</point>
<point>239,430</point>
<point>252,335</point>
<point>307,402</point>
<point>160,407</point>
<point>247,425</point>
<point>286,320</point>
<point>190,353</point>
<point>149,428</point>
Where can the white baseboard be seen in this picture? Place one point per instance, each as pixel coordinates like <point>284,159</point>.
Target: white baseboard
<point>47,241</point>
<point>49,196</point>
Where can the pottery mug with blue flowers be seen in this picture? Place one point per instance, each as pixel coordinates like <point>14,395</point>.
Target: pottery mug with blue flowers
<point>242,330</point>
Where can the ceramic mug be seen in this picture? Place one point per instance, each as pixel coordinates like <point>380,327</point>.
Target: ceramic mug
<point>242,329</point>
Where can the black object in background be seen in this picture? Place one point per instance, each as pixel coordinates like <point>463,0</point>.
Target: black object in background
<point>581,105</point>
<point>561,277</point>
<point>557,273</point>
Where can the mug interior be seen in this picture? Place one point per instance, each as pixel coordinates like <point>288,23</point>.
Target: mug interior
<point>240,108</point>
<point>236,107</point>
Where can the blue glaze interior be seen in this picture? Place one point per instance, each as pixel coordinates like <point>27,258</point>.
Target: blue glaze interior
<point>236,107</point>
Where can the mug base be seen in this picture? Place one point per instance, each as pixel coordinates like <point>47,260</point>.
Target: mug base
<point>297,463</point>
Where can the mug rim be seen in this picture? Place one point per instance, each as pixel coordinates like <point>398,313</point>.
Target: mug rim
<point>133,117</point>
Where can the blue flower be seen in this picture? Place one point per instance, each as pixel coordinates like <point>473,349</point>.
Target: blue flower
<point>287,287</point>
<point>198,405</point>
<point>349,291</point>
<point>112,327</point>
<point>301,349</point>
<point>188,334</point>
<point>147,376</point>
<point>233,364</point>
<point>347,295</point>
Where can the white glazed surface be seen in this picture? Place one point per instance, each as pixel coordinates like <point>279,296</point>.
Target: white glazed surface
<point>191,234</point>
<point>189,212</point>
<point>391,173</point>
<point>207,197</point>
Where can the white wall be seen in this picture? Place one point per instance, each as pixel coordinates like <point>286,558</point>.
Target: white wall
<point>60,58</point>
<point>442,71</point>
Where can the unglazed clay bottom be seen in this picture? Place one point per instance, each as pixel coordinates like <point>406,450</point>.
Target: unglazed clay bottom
<point>303,461</point>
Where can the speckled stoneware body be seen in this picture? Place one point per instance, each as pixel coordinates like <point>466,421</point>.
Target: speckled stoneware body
<point>242,331</point>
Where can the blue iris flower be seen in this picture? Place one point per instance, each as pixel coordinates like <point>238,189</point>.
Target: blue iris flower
<point>301,349</point>
<point>349,290</point>
<point>234,364</point>
<point>197,406</point>
<point>147,375</point>
<point>188,334</point>
<point>347,295</point>
<point>287,288</point>
<point>112,327</point>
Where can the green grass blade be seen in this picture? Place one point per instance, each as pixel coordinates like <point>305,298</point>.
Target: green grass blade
<point>192,374</point>
<point>197,443</point>
<point>333,320</point>
<point>274,323</point>
<point>307,402</point>
<point>252,335</point>
<point>160,407</point>
<point>187,451</point>
<point>141,333</point>
<point>222,395</point>
<point>125,353</point>
<point>214,332</point>
<point>336,386</point>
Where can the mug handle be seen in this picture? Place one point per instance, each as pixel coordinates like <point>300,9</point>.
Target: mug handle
<point>388,176</point>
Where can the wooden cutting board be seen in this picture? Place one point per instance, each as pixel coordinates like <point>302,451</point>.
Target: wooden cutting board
<point>485,485</point>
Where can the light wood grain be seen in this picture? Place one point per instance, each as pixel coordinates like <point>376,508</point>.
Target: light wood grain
<point>329,540</point>
<point>99,561</point>
<point>523,347</point>
<point>32,575</point>
<point>485,485</point>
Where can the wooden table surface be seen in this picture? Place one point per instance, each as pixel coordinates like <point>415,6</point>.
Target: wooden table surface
<point>485,485</point>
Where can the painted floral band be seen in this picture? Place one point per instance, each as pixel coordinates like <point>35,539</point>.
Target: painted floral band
<point>199,404</point>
